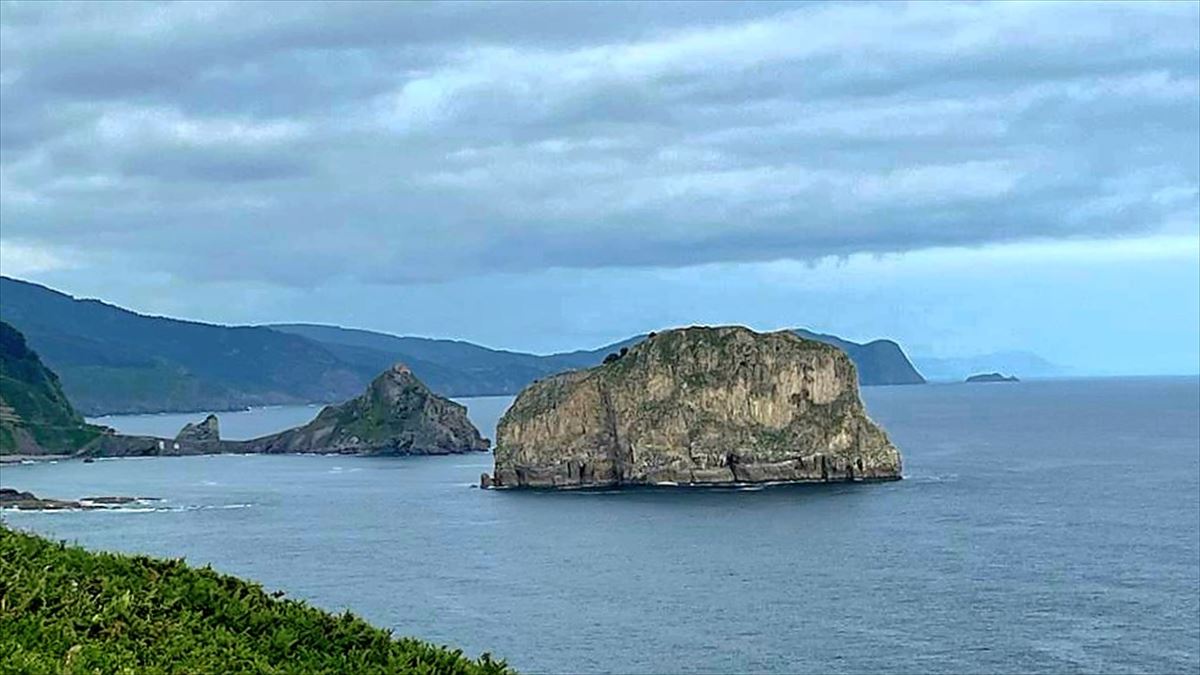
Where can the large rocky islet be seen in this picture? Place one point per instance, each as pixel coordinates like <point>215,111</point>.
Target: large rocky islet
<point>696,406</point>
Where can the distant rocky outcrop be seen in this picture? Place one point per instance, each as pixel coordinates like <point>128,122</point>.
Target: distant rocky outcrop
<point>27,501</point>
<point>397,415</point>
<point>696,406</point>
<point>208,431</point>
<point>195,438</point>
<point>991,377</point>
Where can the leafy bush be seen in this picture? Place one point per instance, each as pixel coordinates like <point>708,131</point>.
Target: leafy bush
<point>66,610</point>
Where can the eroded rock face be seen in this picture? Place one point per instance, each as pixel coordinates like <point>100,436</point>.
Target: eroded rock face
<point>696,406</point>
<point>397,415</point>
<point>208,431</point>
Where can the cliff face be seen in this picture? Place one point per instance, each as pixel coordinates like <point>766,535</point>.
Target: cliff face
<point>699,406</point>
<point>397,415</point>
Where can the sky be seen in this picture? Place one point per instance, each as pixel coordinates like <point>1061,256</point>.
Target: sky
<point>962,178</point>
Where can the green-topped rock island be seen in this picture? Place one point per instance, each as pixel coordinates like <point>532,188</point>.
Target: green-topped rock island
<point>696,406</point>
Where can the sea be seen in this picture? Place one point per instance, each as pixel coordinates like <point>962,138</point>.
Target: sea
<point>1041,526</point>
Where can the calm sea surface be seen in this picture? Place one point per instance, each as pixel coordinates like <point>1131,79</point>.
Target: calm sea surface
<point>1042,526</point>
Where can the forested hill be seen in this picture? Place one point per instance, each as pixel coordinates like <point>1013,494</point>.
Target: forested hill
<point>112,360</point>
<point>35,415</point>
<point>471,370</point>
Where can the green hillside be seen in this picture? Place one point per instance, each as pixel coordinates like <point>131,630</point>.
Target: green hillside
<point>67,610</point>
<point>35,415</point>
<point>467,369</point>
<point>112,360</point>
<point>878,362</point>
<point>448,367</point>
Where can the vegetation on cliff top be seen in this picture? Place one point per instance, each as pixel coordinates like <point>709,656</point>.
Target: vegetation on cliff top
<point>32,402</point>
<point>66,610</point>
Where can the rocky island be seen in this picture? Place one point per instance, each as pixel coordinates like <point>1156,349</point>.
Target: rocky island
<point>397,415</point>
<point>696,406</point>
<point>991,377</point>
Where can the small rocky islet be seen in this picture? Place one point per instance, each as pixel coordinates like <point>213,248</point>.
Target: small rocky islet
<point>397,415</point>
<point>696,406</point>
<point>984,378</point>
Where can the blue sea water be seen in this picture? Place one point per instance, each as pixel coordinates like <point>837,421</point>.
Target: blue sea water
<point>1048,526</point>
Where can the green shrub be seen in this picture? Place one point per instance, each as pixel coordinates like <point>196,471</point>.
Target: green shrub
<point>66,610</point>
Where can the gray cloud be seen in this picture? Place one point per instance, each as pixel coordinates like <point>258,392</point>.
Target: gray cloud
<point>399,142</point>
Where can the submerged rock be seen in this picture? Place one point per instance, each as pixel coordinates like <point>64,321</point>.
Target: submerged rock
<point>696,406</point>
<point>397,415</point>
<point>208,431</point>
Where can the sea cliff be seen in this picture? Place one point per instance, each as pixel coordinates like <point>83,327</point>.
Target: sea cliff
<point>696,406</point>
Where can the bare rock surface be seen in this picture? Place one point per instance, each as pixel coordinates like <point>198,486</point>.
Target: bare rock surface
<point>208,431</point>
<point>696,406</point>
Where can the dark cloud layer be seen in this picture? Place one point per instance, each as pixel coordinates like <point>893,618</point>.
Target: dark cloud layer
<point>297,143</point>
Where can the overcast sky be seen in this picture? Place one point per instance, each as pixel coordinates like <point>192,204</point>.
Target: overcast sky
<point>962,178</point>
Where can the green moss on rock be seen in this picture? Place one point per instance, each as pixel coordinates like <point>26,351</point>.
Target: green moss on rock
<point>697,405</point>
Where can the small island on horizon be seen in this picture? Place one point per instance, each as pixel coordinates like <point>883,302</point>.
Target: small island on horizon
<point>990,377</point>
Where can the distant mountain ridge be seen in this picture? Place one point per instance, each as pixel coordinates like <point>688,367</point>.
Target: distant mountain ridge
<point>454,366</point>
<point>878,362</point>
<point>112,360</point>
<point>487,371</point>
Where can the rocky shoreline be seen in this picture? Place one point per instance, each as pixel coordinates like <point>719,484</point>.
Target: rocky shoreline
<point>397,415</point>
<point>27,501</point>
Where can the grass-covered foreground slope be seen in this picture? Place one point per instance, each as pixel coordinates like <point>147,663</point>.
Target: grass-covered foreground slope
<point>67,610</point>
<point>35,415</point>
